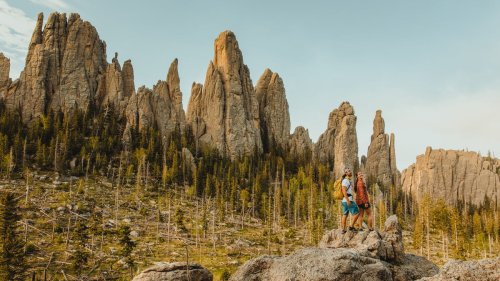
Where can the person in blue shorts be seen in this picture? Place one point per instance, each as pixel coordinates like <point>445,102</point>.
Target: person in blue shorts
<point>348,203</point>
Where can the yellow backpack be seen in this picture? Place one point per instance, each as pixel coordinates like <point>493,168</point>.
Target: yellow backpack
<point>337,190</point>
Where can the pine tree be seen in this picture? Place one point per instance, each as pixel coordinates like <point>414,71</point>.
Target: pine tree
<point>12,259</point>
<point>128,246</point>
<point>80,256</point>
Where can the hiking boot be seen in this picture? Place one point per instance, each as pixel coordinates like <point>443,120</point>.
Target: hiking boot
<point>353,229</point>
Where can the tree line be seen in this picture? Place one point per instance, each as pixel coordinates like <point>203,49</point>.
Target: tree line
<point>287,194</point>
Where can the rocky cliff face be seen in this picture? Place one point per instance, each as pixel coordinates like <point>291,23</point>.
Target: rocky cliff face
<point>161,106</point>
<point>339,143</point>
<point>66,69</point>
<point>352,256</point>
<point>273,110</point>
<point>226,107</point>
<point>4,74</point>
<point>380,162</point>
<point>454,176</point>
<point>117,85</point>
<point>300,143</point>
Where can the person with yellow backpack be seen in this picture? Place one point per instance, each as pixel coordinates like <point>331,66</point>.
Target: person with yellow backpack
<point>343,191</point>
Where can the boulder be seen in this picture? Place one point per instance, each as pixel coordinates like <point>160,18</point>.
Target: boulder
<point>386,245</point>
<point>314,264</point>
<point>176,271</point>
<point>366,255</point>
<point>480,270</point>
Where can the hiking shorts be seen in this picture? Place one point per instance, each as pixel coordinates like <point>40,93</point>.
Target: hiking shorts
<point>362,206</point>
<point>352,208</point>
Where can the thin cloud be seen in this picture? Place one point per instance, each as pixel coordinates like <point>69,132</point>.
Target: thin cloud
<point>15,32</point>
<point>52,4</point>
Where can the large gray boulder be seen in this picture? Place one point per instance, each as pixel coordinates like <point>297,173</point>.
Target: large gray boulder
<point>483,270</point>
<point>386,245</point>
<point>314,264</point>
<point>175,271</point>
<point>351,256</point>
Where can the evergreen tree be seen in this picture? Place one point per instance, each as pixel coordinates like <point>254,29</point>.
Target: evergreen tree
<point>12,259</point>
<point>80,256</point>
<point>128,246</point>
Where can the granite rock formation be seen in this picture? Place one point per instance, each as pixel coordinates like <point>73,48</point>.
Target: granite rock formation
<point>66,69</point>
<point>117,85</point>
<point>481,270</point>
<point>224,113</point>
<point>386,245</point>
<point>300,143</point>
<point>454,176</point>
<point>339,143</point>
<point>160,107</point>
<point>350,256</point>
<point>176,271</point>
<point>273,110</point>
<point>4,74</point>
<point>380,163</point>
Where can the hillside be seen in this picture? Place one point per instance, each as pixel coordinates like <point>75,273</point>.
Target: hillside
<point>110,178</point>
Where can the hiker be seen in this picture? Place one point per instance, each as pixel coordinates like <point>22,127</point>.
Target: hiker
<point>348,204</point>
<point>363,201</point>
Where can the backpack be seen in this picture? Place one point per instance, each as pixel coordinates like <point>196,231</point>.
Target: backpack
<point>337,190</point>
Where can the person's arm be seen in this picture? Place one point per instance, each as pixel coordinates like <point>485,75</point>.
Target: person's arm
<point>366,195</point>
<point>344,191</point>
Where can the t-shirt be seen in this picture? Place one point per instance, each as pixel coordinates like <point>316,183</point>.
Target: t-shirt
<point>348,184</point>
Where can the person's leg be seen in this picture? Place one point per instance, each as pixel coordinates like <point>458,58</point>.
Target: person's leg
<point>344,220</point>
<point>353,209</point>
<point>370,218</point>
<point>345,211</point>
<point>360,219</point>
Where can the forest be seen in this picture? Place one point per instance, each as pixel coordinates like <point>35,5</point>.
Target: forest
<point>77,202</point>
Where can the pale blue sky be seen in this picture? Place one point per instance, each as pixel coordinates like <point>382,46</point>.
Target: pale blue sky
<point>433,67</point>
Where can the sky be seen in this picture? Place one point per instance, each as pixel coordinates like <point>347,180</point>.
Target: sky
<point>432,67</point>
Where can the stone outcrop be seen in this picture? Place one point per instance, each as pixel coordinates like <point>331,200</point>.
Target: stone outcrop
<point>225,112</point>
<point>176,271</point>
<point>160,107</point>
<point>66,69</point>
<point>339,143</point>
<point>386,245</point>
<point>481,270</point>
<point>273,110</point>
<point>4,74</point>
<point>362,256</point>
<point>300,143</point>
<point>454,176</point>
<point>117,85</point>
<point>380,163</point>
